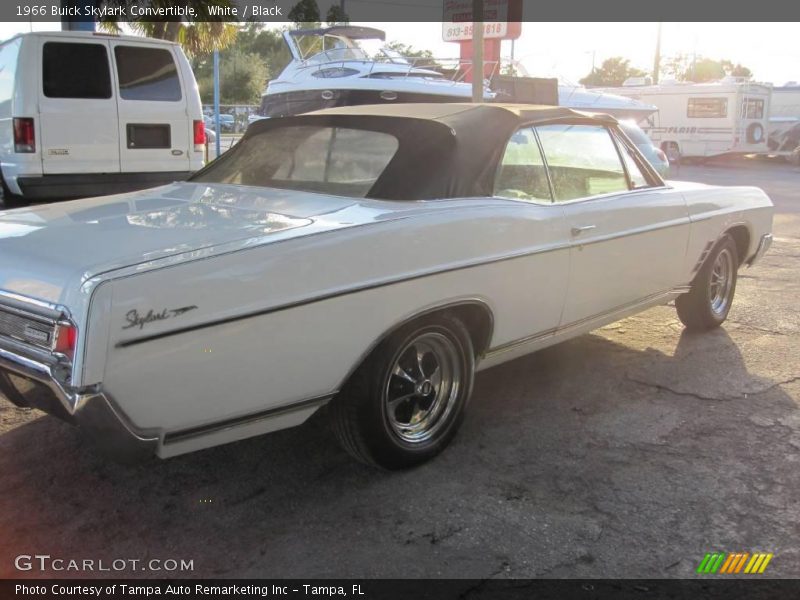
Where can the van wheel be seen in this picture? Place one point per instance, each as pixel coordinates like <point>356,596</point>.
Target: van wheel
<point>707,304</point>
<point>405,403</point>
<point>795,158</point>
<point>11,200</point>
<point>673,152</point>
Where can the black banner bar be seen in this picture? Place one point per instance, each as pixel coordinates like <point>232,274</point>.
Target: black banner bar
<point>281,11</point>
<point>754,588</point>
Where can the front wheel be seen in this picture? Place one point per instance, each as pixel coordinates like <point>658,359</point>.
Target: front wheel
<point>405,403</point>
<point>708,302</point>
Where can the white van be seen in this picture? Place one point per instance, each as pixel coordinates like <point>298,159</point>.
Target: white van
<point>85,114</point>
<point>705,119</point>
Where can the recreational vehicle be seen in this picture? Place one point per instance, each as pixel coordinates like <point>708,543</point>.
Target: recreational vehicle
<point>705,119</point>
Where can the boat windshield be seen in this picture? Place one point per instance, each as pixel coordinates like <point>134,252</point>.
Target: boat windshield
<point>325,48</point>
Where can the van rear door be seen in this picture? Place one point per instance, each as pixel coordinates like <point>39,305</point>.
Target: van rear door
<point>155,130</point>
<point>77,108</point>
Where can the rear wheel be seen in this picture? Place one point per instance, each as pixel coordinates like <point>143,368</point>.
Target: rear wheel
<point>10,200</point>
<point>405,403</point>
<point>708,302</point>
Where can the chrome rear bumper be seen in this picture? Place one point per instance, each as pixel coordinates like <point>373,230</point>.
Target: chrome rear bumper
<point>763,245</point>
<point>34,382</point>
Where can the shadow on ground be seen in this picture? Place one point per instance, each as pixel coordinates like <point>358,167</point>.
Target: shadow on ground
<point>587,459</point>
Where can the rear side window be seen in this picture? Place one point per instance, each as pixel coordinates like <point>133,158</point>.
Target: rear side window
<point>522,175</point>
<point>75,71</point>
<point>147,74</point>
<point>582,160</point>
<point>333,160</point>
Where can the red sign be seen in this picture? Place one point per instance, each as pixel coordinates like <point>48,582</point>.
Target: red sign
<point>501,20</point>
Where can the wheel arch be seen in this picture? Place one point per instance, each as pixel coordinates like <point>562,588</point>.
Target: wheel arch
<point>742,237</point>
<point>476,314</point>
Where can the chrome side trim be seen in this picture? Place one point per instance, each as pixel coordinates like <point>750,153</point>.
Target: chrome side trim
<point>335,294</point>
<point>585,321</point>
<point>638,231</point>
<point>217,426</point>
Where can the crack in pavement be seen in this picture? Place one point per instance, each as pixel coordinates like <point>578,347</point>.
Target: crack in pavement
<point>699,396</point>
<point>756,328</point>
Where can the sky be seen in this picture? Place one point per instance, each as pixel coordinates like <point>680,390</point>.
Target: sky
<point>565,50</point>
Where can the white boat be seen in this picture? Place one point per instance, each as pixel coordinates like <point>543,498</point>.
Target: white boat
<point>329,68</point>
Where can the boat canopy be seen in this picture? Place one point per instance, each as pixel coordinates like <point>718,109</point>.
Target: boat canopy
<point>352,32</point>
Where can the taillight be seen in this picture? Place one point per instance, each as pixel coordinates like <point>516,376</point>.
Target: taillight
<point>66,339</point>
<point>24,140</point>
<point>660,154</point>
<point>199,135</point>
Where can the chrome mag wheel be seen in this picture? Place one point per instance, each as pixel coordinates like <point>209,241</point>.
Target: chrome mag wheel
<point>721,282</point>
<point>423,387</point>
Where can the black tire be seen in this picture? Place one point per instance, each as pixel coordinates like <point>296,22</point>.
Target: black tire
<point>11,200</point>
<point>706,306</point>
<point>376,434</point>
<point>795,158</point>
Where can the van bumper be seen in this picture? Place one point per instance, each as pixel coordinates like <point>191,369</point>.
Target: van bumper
<point>33,383</point>
<point>83,185</point>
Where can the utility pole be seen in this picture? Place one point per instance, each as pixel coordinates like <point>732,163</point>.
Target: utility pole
<point>217,131</point>
<point>657,59</point>
<point>477,50</point>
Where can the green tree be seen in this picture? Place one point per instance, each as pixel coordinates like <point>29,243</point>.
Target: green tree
<point>305,14</point>
<point>203,34</point>
<point>684,67</point>
<point>336,16</point>
<point>268,44</point>
<point>421,58</point>
<point>242,76</point>
<point>613,72</point>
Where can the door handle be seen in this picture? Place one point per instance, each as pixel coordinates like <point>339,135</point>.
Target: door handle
<point>580,230</point>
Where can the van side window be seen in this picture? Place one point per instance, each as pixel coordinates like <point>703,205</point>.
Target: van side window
<point>75,71</point>
<point>147,74</point>
<point>521,174</point>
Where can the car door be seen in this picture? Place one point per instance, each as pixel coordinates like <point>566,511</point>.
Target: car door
<point>77,108</point>
<point>628,231</point>
<point>541,273</point>
<point>155,130</point>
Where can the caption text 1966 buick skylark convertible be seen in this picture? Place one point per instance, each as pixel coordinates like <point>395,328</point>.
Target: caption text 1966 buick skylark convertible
<point>369,258</point>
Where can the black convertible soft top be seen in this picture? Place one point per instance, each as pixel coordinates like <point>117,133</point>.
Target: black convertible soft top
<point>446,150</point>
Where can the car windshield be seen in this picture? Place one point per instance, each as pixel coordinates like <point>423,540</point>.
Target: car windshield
<point>334,160</point>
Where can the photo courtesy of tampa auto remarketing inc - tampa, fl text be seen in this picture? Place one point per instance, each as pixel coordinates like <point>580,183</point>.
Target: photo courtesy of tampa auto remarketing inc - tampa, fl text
<point>399,300</point>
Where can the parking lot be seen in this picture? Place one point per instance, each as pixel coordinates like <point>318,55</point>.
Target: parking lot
<point>629,452</point>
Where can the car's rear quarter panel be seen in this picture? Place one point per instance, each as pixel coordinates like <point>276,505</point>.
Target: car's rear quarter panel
<point>715,210</point>
<point>242,366</point>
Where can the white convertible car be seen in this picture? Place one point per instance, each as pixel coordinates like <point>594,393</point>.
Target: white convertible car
<point>369,258</point>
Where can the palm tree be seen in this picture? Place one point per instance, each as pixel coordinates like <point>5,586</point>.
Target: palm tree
<point>200,35</point>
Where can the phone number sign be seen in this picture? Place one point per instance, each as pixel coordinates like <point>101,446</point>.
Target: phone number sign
<point>501,20</point>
